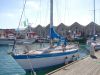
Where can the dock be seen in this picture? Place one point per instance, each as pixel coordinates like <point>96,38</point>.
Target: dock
<point>87,66</point>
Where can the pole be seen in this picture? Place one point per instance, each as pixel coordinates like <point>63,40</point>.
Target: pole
<point>94,18</point>
<point>51,13</point>
<point>51,20</point>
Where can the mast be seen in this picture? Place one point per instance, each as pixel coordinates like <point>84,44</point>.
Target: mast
<point>53,33</point>
<point>51,13</point>
<point>94,18</point>
<point>51,20</point>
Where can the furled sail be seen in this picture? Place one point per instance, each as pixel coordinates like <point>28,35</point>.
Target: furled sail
<point>53,34</point>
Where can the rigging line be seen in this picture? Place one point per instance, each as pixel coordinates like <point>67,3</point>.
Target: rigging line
<point>67,9</point>
<point>40,18</point>
<point>40,12</point>
<point>22,13</point>
<point>30,64</point>
<point>32,72</point>
<point>65,12</point>
<point>61,12</point>
<point>94,11</point>
<point>69,2</point>
<point>47,12</point>
<point>57,11</point>
<point>19,24</point>
<point>36,17</point>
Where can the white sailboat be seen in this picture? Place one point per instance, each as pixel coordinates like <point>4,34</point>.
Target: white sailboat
<point>93,40</point>
<point>50,56</point>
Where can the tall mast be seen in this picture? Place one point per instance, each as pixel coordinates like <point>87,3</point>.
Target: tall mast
<point>51,20</point>
<point>51,13</point>
<point>94,17</point>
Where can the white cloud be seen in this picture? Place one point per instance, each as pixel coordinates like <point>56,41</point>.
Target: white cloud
<point>7,14</point>
<point>10,14</point>
<point>32,5</point>
<point>31,10</point>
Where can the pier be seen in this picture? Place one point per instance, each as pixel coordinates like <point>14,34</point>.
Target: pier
<point>86,66</point>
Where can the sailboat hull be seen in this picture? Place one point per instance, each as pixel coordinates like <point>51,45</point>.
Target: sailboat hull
<point>38,61</point>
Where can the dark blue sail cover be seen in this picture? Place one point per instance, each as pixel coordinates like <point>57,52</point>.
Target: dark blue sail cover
<point>54,35</point>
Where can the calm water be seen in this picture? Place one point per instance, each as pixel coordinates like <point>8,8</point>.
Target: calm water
<point>8,65</point>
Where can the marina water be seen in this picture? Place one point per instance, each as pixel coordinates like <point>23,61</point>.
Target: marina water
<point>8,66</point>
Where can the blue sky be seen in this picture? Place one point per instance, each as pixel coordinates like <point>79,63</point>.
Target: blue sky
<point>37,12</point>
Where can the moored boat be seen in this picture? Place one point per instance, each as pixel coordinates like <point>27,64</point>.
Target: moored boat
<point>94,39</point>
<point>36,59</point>
<point>7,36</point>
<point>50,56</point>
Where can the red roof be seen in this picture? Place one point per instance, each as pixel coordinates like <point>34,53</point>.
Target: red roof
<point>32,33</point>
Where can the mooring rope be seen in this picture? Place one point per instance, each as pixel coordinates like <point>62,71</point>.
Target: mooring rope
<point>32,70</point>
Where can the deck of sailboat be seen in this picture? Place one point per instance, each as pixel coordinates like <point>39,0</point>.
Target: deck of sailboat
<point>56,49</point>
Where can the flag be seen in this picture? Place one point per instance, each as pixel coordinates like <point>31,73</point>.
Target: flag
<point>25,22</point>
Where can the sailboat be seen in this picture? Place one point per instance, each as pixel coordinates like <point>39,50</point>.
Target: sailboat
<point>93,40</point>
<point>50,56</point>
